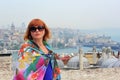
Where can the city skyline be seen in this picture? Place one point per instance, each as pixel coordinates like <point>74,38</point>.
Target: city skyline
<point>78,14</point>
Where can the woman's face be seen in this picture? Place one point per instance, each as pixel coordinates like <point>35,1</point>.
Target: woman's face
<point>37,32</point>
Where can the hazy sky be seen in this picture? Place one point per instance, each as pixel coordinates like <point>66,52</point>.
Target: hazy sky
<point>82,14</point>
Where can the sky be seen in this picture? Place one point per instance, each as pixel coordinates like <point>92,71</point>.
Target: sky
<point>78,14</point>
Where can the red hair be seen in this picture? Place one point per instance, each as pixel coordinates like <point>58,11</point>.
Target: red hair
<point>37,22</point>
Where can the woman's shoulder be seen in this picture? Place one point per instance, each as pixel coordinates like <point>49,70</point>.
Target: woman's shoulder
<point>24,46</point>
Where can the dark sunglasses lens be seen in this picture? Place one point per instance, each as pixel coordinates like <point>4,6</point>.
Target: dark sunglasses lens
<point>40,28</point>
<point>33,29</point>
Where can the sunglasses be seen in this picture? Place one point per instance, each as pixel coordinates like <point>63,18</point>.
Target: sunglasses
<point>40,28</point>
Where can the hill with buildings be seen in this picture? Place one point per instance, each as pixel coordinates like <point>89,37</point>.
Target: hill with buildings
<point>61,38</point>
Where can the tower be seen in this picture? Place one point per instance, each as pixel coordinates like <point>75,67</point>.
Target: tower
<point>12,28</point>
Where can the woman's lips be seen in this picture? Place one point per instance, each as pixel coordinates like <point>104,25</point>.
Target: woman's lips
<point>37,34</point>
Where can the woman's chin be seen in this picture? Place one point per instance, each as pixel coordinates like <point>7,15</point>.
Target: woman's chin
<point>38,38</point>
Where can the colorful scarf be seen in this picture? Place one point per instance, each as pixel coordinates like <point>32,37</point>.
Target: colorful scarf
<point>33,63</point>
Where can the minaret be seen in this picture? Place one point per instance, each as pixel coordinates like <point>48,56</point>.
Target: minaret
<point>118,54</point>
<point>12,28</point>
<point>108,52</point>
<point>104,53</point>
<point>81,58</point>
<point>94,55</point>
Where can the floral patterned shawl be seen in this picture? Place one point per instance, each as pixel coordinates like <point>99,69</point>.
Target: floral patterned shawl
<point>32,63</point>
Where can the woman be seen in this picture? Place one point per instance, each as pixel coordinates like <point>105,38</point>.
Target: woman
<point>36,60</point>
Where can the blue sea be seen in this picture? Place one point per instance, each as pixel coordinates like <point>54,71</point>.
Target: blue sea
<point>73,50</point>
<point>76,50</point>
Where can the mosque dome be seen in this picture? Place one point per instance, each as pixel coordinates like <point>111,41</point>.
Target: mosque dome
<point>108,59</point>
<point>74,62</point>
<point>108,62</point>
<point>102,59</point>
<point>115,64</point>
